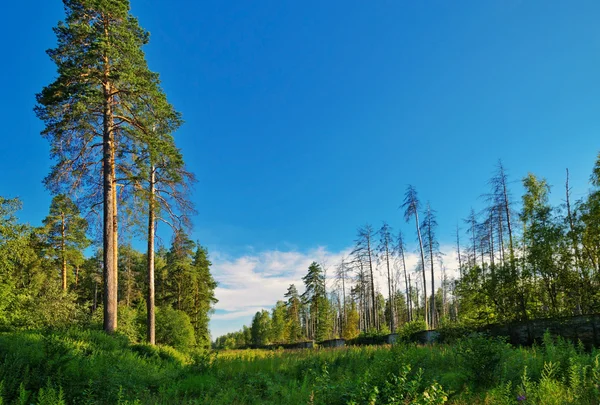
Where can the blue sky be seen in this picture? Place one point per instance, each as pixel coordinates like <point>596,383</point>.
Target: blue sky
<point>307,119</point>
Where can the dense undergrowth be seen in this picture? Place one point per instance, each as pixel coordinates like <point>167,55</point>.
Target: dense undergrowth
<point>89,367</point>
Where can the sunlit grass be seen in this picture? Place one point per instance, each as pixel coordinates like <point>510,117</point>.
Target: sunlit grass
<point>89,367</point>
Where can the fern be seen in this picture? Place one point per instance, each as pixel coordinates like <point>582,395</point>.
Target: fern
<point>550,370</point>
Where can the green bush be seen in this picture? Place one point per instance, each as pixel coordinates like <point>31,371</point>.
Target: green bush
<point>174,328</point>
<point>481,357</point>
<point>128,323</point>
<point>410,328</point>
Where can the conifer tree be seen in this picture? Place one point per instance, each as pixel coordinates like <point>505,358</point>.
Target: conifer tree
<point>365,254</point>
<point>293,323</point>
<point>65,233</point>
<point>386,252</point>
<point>313,295</point>
<point>91,113</point>
<point>278,315</point>
<point>432,253</point>
<point>411,207</point>
<point>203,289</point>
<point>400,248</point>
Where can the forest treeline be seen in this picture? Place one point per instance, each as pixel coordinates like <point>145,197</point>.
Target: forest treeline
<point>46,280</point>
<point>516,260</point>
<point>116,174</point>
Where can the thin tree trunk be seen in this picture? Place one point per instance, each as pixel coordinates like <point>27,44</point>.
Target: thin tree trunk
<point>390,296</point>
<point>95,298</point>
<point>410,303</point>
<point>343,295</point>
<point>432,317</point>
<point>374,308</point>
<point>492,249</point>
<point>458,251</point>
<point>501,235</point>
<point>407,285</point>
<point>63,252</point>
<point>151,325</point>
<point>128,289</point>
<point>418,301</point>
<point>422,267</point>
<point>508,223</point>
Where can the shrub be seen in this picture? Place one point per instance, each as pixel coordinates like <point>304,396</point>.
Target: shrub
<point>174,328</point>
<point>481,357</point>
<point>411,327</point>
<point>128,323</point>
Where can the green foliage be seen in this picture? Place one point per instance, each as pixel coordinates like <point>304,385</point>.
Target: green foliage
<point>481,358</point>
<point>261,328</point>
<point>278,322</point>
<point>50,396</point>
<point>64,234</point>
<point>174,328</point>
<point>351,329</point>
<point>184,282</point>
<point>90,367</point>
<point>411,327</point>
<point>129,323</point>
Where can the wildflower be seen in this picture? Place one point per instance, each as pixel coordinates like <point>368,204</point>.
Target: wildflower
<point>521,398</point>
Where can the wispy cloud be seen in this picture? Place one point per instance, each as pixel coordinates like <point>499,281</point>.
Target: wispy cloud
<point>258,280</point>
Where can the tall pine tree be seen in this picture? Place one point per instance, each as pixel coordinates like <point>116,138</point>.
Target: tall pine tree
<point>92,113</point>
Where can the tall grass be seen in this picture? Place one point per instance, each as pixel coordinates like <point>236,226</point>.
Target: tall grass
<point>89,367</point>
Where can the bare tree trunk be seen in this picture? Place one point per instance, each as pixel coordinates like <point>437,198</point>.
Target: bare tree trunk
<point>63,251</point>
<point>507,211</point>
<point>418,301</point>
<point>501,234</point>
<point>390,296</point>
<point>492,249</point>
<point>407,285</point>
<point>458,251</point>
<point>373,309</point>
<point>432,317</point>
<point>128,288</point>
<point>109,231</point>
<point>95,298</point>
<point>343,295</point>
<point>410,303</point>
<point>423,268</point>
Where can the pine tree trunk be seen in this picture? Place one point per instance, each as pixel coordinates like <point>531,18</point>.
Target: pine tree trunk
<point>63,252</point>
<point>426,315</point>
<point>432,317</point>
<point>458,252</point>
<point>407,285</point>
<point>374,308</point>
<point>390,296</point>
<point>410,303</point>
<point>343,296</point>
<point>109,231</point>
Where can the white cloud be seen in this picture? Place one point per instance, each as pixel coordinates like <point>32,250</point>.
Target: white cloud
<point>255,281</point>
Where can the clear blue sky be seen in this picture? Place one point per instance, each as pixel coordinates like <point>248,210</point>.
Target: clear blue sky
<point>307,119</point>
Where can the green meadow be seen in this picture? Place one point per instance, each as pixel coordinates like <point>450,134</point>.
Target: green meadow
<point>90,367</point>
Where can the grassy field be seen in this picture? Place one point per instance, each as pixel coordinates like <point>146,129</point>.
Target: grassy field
<point>88,367</point>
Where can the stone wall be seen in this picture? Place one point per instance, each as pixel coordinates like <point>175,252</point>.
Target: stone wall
<point>584,328</point>
<point>333,343</point>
